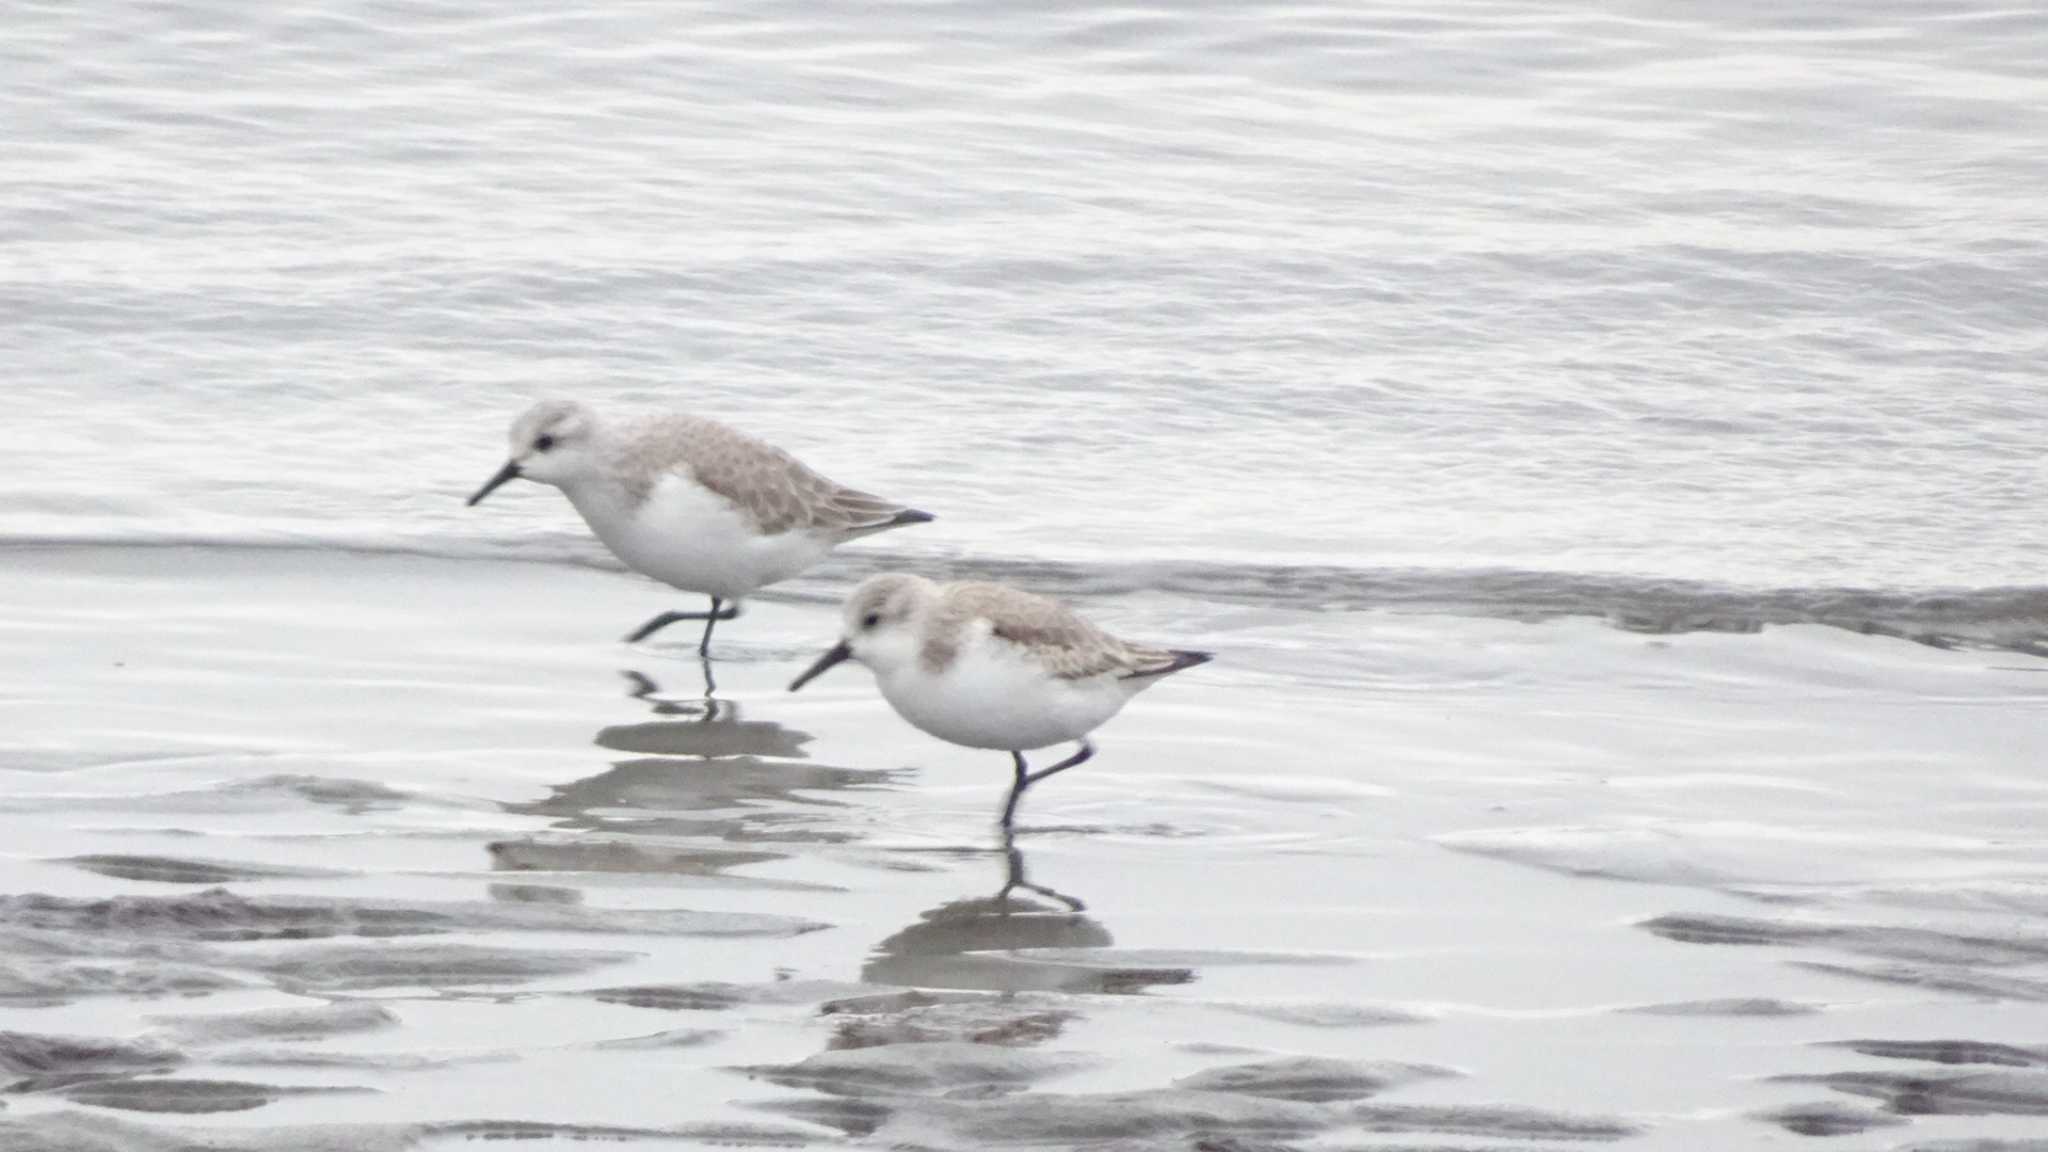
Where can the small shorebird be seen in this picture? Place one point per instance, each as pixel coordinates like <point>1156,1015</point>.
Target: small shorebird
<point>990,666</point>
<point>691,502</point>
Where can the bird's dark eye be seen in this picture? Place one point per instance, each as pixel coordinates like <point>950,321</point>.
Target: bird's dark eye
<point>871,619</point>
<point>544,443</point>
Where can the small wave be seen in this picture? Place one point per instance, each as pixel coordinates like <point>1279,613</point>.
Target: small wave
<point>2013,618</point>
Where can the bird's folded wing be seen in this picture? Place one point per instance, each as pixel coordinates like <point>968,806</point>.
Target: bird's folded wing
<point>1067,646</point>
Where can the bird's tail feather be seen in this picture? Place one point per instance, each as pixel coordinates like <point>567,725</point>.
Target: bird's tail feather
<point>1170,660</point>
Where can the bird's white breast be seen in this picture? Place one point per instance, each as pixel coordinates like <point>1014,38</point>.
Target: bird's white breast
<point>690,537</point>
<point>991,695</point>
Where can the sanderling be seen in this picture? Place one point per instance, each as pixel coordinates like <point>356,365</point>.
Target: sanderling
<point>990,666</point>
<point>691,502</point>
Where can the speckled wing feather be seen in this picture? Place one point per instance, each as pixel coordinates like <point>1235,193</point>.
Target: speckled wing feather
<point>1068,646</point>
<point>776,490</point>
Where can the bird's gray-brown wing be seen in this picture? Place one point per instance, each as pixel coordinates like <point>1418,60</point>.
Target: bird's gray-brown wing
<point>778,492</point>
<point>1045,630</point>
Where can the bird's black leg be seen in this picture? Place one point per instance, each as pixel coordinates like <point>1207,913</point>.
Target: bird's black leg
<point>1080,757</point>
<point>710,622</point>
<point>1026,778</point>
<point>667,618</point>
<point>1017,787</point>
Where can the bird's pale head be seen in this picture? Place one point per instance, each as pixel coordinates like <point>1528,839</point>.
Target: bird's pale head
<point>880,626</point>
<point>552,442</point>
<point>881,620</point>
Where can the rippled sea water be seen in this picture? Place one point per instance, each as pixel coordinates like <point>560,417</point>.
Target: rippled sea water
<point>1558,418</point>
<point>1748,293</point>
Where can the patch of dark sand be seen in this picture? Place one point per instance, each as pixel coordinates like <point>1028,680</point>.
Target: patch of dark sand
<point>1948,1051</point>
<point>44,982</point>
<point>641,855</point>
<point>278,792</point>
<point>339,1018</point>
<point>358,967</point>
<point>699,1135</point>
<point>718,995</point>
<point>1315,1080</point>
<point>533,894</point>
<point>856,1118</point>
<point>661,1041</point>
<point>942,1066</point>
<point>1918,945</point>
<point>1943,1092</point>
<point>43,1062</point>
<point>1735,1006</point>
<point>217,914</point>
<point>642,795</point>
<point>897,1000</point>
<point>1212,1048</point>
<point>916,1018</point>
<point>190,1096</point>
<point>1498,1123</point>
<point>73,1131</point>
<point>637,854</point>
<point>282,1057</point>
<point>187,870</point>
<point>1827,1119</point>
<point>1941,978</point>
<point>718,738</point>
<point>1057,1120</point>
<point>1324,1015</point>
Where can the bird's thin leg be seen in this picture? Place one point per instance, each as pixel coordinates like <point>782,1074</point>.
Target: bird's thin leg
<point>1026,778</point>
<point>1080,757</point>
<point>668,618</point>
<point>1017,787</point>
<point>710,622</point>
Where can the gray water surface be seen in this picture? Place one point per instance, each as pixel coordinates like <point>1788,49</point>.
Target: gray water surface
<point>1746,294</point>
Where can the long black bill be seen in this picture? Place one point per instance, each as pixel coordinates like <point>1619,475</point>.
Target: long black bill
<point>509,472</point>
<point>837,653</point>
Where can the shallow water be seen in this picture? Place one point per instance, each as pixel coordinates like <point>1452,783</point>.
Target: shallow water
<point>413,847</point>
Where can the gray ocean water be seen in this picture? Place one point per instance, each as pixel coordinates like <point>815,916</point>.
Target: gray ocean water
<point>1691,318</point>
<point>1513,304</point>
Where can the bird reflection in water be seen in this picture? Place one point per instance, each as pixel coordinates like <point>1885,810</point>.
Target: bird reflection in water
<point>702,790</point>
<point>1012,943</point>
<point>644,688</point>
<point>1015,878</point>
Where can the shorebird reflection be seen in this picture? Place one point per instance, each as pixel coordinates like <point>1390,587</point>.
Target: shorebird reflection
<point>1010,942</point>
<point>707,708</point>
<point>1013,859</point>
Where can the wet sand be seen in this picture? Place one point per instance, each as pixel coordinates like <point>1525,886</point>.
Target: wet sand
<point>311,850</point>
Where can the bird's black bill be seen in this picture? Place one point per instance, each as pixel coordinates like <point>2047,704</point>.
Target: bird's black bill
<point>509,472</point>
<point>838,653</point>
